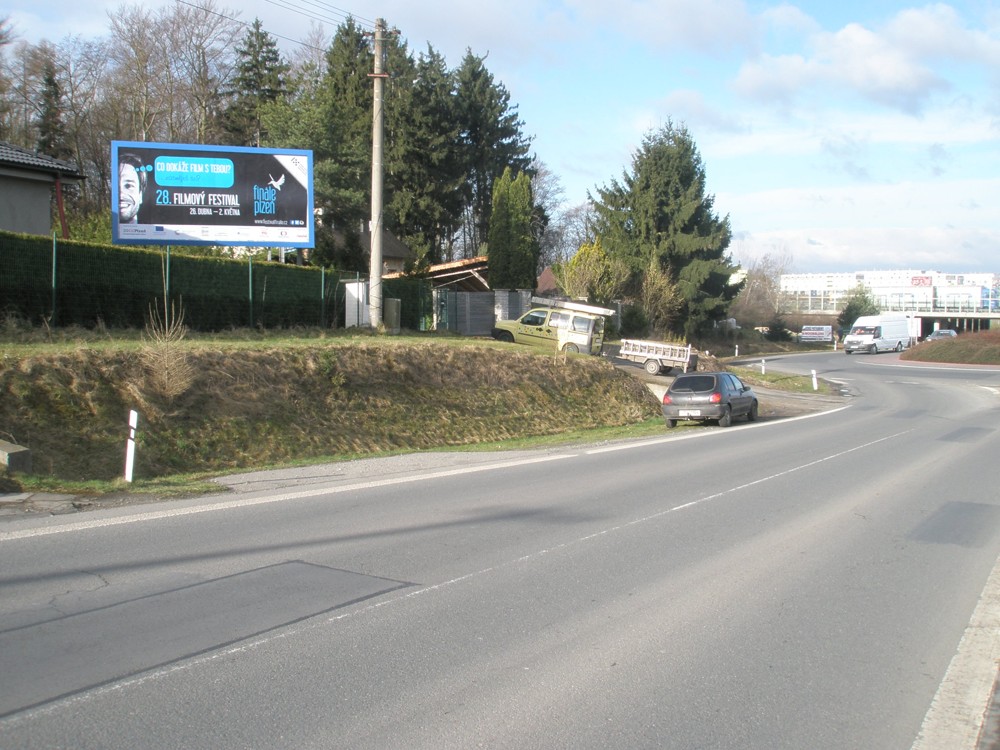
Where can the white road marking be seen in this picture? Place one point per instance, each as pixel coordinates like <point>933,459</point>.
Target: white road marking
<point>265,499</point>
<point>160,672</point>
<point>958,711</point>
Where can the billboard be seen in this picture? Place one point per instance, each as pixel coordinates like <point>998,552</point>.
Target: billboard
<point>184,194</point>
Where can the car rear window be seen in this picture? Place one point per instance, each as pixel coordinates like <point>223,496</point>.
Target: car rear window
<point>694,383</point>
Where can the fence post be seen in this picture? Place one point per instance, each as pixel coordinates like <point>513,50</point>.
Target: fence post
<point>322,297</point>
<point>250,267</point>
<point>54,256</point>
<point>166,281</point>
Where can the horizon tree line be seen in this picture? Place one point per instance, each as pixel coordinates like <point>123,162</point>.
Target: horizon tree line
<point>455,153</point>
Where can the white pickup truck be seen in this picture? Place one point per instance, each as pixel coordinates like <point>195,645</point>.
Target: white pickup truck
<point>657,356</point>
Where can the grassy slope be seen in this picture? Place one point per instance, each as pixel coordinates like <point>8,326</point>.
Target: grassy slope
<point>230,406</point>
<point>981,348</point>
<point>250,400</point>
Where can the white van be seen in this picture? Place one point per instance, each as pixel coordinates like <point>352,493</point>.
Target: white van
<point>878,333</point>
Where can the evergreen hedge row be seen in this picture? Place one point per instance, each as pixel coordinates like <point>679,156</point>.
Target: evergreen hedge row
<point>116,286</point>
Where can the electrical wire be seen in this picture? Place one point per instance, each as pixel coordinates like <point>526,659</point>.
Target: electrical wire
<point>289,5</point>
<point>322,7</point>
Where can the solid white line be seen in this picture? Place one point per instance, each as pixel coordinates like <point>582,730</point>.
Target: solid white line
<point>703,433</point>
<point>958,711</point>
<point>6,536</point>
<point>266,499</point>
<point>304,626</point>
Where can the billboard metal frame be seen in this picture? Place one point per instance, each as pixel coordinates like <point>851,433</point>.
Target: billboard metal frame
<point>190,194</point>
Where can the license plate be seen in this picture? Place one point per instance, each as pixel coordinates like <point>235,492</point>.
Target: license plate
<point>690,412</point>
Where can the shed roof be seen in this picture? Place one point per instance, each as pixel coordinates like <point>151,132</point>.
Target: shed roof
<point>12,156</point>
<point>466,275</point>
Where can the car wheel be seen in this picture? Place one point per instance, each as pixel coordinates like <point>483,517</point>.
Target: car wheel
<point>873,349</point>
<point>505,336</point>
<point>653,366</point>
<point>671,423</point>
<point>571,349</point>
<point>726,419</point>
<point>899,346</point>
<point>752,414</point>
<point>847,351</point>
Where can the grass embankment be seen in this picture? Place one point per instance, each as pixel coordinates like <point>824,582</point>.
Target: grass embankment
<point>215,403</point>
<point>982,348</point>
<point>208,406</point>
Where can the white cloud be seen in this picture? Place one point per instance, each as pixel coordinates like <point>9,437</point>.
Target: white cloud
<point>706,26</point>
<point>787,18</point>
<point>853,59</point>
<point>935,224</point>
<point>691,107</point>
<point>829,250</point>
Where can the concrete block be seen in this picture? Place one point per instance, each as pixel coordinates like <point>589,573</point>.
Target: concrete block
<point>15,457</point>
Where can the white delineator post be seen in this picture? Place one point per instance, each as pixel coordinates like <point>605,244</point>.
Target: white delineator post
<point>133,422</point>
<point>815,383</point>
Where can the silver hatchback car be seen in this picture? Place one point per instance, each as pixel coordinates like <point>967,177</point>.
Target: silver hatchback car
<point>702,396</point>
<point>941,334</point>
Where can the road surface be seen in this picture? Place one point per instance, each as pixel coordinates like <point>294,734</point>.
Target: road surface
<point>813,582</point>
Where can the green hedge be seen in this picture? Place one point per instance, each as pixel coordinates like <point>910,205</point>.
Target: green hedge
<point>95,284</point>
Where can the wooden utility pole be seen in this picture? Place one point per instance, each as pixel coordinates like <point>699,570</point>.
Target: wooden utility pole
<point>375,226</point>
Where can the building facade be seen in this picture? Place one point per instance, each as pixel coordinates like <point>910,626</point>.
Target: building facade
<point>902,290</point>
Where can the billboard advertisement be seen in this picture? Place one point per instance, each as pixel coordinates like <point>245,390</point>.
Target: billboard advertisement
<point>184,194</point>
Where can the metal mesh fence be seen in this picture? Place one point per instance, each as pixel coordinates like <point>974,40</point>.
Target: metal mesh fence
<point>72,283</point>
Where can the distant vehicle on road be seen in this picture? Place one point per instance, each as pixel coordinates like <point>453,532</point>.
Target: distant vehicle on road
<point>702,396</point>
<point>941,334</point>
<point>878,333</point>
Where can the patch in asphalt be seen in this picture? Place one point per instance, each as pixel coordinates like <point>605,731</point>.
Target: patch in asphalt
<point>49,660</point>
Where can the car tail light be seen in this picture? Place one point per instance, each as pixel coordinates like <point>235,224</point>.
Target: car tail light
<point>716,398</point>
<point>666,398</point>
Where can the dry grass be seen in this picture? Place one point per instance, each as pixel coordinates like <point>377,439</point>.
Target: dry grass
<point>982,348</point>
<point>245,407</point>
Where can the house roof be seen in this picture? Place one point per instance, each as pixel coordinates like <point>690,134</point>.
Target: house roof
<point>12,156</point>
<point>547,286</point>
<point>392,247</point>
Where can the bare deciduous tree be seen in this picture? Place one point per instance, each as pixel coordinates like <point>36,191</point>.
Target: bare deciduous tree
<point>760,301</point>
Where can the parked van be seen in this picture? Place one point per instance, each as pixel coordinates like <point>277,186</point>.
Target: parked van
<point>878,333</point>
<point>817,333</point>
<point>557,325</point>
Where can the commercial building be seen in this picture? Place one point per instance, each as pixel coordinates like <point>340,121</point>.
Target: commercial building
<point>904,291</point>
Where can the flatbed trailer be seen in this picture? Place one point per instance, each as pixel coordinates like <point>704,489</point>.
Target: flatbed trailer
<point>657,356</point>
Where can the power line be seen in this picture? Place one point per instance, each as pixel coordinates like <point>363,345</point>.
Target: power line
<point>286,4</point>
<point>322,7</point>
<point>244,24</point>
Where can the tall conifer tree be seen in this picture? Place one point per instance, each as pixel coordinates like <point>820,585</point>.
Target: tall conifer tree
<point>513,249</point>
<point>491,141</point>
<point>260,80</point>
<point>427,175</point>
<point>51,128</point>
<point>660,214</point>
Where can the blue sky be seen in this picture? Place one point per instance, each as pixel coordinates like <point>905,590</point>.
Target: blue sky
<point>838,136</point>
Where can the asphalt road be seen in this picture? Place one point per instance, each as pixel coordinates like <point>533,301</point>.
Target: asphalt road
<point>821,582</point>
